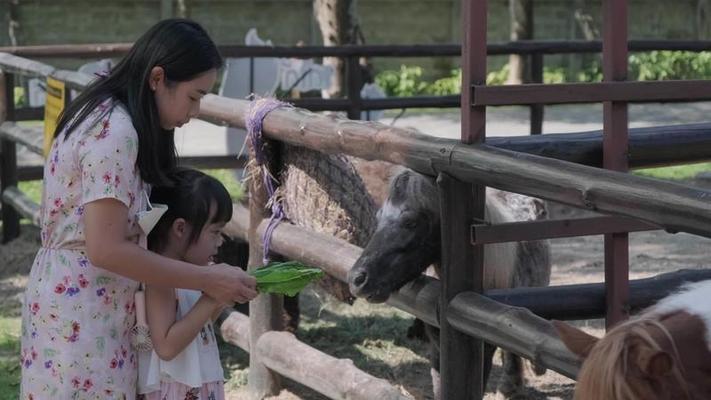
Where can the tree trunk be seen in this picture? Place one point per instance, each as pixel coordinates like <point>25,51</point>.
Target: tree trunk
<point>521,12</point>
<point>337,22</point>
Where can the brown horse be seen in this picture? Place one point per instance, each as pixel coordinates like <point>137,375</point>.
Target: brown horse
<point>662,354</point>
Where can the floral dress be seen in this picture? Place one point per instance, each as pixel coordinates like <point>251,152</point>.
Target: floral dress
<point>76,317</point>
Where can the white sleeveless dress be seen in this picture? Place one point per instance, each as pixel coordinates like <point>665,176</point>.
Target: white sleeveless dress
<point>194,374</point>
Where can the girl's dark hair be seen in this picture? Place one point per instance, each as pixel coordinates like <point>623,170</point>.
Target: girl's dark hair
<point>189,196</point>
<point>184,50</point>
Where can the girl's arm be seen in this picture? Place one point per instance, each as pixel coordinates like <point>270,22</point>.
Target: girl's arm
<point>169,336</point>
<point>109,247</point>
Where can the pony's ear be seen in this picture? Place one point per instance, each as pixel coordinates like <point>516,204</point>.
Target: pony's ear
<point>654,363</point>
<point>577,341</point>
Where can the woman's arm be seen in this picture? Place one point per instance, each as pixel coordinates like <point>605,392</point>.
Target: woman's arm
<point>169,336</point>
<point>109,247</point>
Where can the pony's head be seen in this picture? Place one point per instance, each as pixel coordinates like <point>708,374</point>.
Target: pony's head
<point>635,360</point>
<point>405,242</point>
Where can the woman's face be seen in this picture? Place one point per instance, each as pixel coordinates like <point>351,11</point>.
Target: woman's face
<point>177,102</point>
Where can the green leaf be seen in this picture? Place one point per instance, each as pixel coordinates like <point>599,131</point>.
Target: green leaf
<point>288,278</point>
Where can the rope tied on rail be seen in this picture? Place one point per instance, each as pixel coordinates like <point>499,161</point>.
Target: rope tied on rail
<point>258,110</point>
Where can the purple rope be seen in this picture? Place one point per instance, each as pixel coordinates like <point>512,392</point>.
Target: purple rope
<point>258,110</point>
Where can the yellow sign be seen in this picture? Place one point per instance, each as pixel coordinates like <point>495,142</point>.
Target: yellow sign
<point>53,106</point>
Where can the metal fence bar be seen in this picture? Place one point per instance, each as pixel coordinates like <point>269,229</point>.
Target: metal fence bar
<point>616,142</point>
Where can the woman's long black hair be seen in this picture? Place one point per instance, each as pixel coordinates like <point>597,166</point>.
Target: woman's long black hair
<point>184,50</point>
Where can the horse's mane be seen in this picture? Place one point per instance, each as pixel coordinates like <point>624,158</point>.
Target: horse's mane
<point>604,372</point>
<point>420,191</point>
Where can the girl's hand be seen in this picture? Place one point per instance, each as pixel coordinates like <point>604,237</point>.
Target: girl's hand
<point>228,284</point>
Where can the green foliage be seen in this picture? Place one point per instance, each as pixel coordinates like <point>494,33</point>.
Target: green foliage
<point>9,358</point>
<point>675,173</point>
<point>287,278</point>
<point>664,65</point>
<point>653,65</point>
<point>405,82</point>
<point>447,86</point>
<point>20,97</point>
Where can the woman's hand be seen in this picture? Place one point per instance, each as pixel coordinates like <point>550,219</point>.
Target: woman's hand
<point>227,284</point>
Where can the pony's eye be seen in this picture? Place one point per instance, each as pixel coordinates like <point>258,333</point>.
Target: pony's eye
<point>410,223</point>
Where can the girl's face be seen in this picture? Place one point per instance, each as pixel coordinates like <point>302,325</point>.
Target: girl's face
<point>177,102</point>
<point>202,251</point>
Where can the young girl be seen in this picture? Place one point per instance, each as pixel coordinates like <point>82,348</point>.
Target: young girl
<point>111,143</point>
<point>185,363</point>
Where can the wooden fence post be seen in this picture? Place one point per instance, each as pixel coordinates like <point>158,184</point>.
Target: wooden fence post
<point>8,163</point>
<point>355,83</point>
<point>536,109</point>
<point>265,311</point>
<point>461,356</point>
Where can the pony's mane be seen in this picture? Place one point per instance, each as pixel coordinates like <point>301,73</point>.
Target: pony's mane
<point>419,191</point>
<point>604,373</point>
<point>407,186</point>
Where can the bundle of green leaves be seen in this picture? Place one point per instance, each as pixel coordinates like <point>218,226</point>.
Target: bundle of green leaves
<point>288,278</point>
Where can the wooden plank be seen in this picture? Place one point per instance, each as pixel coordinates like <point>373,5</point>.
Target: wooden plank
<point>513,328</point>
<point>648,147</point>
<point>22,66</point>
<point>265,311</point>
<point>29,114</point>
<point>559,228</point>
<point>235,330</point>
<point>673,206</point>
<point>31,138</point>
<point>595,92</point>
<point>335,378</point>
<point>99,50</point>
<point>23,205</point>
<point>421,297</point>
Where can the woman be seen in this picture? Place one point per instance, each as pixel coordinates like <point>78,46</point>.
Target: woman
<point>111,144</point>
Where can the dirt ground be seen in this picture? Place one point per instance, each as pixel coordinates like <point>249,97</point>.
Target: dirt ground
<point>385,352</point>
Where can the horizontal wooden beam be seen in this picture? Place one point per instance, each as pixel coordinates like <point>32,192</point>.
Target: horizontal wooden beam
<point>566,93</point>
<point>648,146</point>
<point>673,206</point>
<point>23,66</point>
<point>99,50</point>
<point>31,138</point>
<point>515,329</point>
<point>555,228</point>
<point>335,378</point>
<point>27,208</point>
<point>28,114</point>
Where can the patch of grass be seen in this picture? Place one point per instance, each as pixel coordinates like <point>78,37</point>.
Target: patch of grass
<point>33,189</point>
<point>675,173</point>
<point>9,358</point>
<point>372,335</point>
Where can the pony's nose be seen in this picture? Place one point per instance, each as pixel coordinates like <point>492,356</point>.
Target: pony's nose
<point>360,279</point>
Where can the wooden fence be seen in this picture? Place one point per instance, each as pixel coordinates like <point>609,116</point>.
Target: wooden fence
<point>566,174</point>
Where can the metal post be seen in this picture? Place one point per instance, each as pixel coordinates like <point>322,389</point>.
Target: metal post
<point>536,109</point>
<point>355,83</point>
<point>615,155</point>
